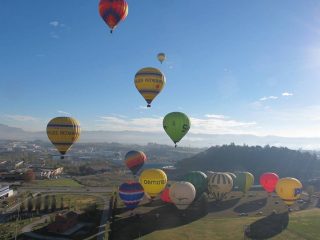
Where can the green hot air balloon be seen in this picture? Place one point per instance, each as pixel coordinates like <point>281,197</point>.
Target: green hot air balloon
<point>243,181</point>
<point>199,181</point>
<point>176,125</point>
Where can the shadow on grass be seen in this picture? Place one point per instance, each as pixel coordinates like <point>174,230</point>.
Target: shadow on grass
<point>251,206</point>
<point>221,206</point>
<point>268,227</point>
<point>164,217</point>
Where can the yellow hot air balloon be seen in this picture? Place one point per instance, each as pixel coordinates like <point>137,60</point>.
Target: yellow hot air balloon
<point>161,57</point>
<point>149,82</point>
<point>63,132</point>
<point>153,181</point>
<point>289,189</point>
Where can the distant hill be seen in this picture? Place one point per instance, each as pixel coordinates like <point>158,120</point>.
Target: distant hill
<point>255,159</point>
<point>190,140</point>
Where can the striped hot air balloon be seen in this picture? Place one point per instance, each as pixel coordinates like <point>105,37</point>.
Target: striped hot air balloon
<point>131,193</point>
<point>219,185</point>
<point>134,160</point>
<point>63,132</point>
<point>149,82</point>
<point>113,11</point>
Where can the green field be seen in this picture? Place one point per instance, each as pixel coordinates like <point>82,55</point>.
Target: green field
<point>61,182</point>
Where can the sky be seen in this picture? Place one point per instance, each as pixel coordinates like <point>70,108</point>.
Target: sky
<point>238,67</point>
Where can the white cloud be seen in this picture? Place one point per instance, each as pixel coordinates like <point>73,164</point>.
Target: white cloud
<point>54,23</point>
<point>63,112</point>
<point>215,116</point>
<point>21,118</point>
<point>286,94</point>
<point>268,98</point>
<point>143,107</point>
<point>54,35</point>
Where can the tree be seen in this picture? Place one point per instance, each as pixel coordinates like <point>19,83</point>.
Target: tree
<point>30,204</point>
<point>22,206</point>
<point>46,203</point>
<point>29,175</point>
<point>53,203</point>
<point>61,203</point>
<point>38,203</point>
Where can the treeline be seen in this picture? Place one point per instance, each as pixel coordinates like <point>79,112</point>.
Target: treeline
<point>255,159</point>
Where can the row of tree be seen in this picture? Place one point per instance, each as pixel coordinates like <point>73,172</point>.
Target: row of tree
<point>39,203</point>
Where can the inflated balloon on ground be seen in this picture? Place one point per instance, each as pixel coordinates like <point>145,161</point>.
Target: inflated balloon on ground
<point>244,181</point>
<point>153,181</point>
<point>131,193</point>
<point>289,190</point>
<point>182,194</point>
<point>198,179</point>
<point>269,181</point>
<point>219,184</point>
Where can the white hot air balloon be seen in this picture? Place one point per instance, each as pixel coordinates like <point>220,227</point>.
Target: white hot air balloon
<point>182,194</point>
<point>219,185</point>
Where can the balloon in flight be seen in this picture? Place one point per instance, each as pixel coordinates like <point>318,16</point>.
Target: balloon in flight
<point>269,181</point>
<point>161,57</point>
<point>135,160</point>
<point>113,11</point>
<point>244,181</point>
<point>198,179</point>
<point>63,132</point>
<point>219,185</point>
<point>131,193</point>
<point>182,194</point>
<point>149,82</point>
<point>176,125</point>
<point>289,189</point>
<point>153,181</point>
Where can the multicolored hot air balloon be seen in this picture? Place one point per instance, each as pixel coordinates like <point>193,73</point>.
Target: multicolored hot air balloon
<point>182,194</point>
<point>289,190</point>
<point>113,11</point>
<point>219,185</point>
<point>161,57</point>
<point>244,181</point>
<point>63,132</point>
<point>153,181</point>
<point>149,82</point>
<point>165,197</point>
<point>131,193</point>
<point>269,181</point>
<point>176,125</point>
<point>135,160</point>
<point>198,179</point>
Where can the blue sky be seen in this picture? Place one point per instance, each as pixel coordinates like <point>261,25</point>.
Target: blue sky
<point>232,66</point>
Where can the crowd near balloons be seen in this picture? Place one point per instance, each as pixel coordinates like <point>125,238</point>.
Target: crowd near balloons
<point>153,183</point>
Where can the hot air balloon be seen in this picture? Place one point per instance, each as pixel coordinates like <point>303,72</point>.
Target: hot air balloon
<point>209,174</point>
<point>182,194</point>
<point>153,181</point>
<point>134,161</point>
<point>131,193</point>
<point>289,189</point>
<point>113,11</point>
<point>161,57</point>
<point>63,132</point>
<point>149,82</point>
<point>219,185</point>
<point>269,181</point>
<point>244,181</point>
<point>176,125</point>
<point>198,180</point>
<point>165,195</point>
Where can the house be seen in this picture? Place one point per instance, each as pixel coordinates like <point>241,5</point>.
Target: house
<point>63,222</point>
<point>5,192</point>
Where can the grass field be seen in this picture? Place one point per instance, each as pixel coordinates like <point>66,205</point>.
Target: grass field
<point>61,182</point>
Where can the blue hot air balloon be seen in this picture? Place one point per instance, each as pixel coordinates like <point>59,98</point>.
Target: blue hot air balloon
<point>131,193</point>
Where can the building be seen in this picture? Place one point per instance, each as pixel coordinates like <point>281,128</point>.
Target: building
<point>5,192</point>
<point>63,222</point>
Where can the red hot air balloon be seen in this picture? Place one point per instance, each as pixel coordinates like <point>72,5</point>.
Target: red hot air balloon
<point>165,197</point>
<point>135,160</point>
<point>269,181</point>
<point>113,11</point>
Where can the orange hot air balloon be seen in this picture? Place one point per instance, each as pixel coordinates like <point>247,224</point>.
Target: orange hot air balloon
<point>113,11</point>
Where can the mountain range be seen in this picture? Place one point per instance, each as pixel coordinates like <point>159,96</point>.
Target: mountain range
<point>191,139</point>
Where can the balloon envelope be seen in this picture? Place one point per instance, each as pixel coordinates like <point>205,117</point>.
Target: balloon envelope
<point>176,125</point>
<point>244,181</point>
<point>289,189</point>
<point>161,57</point>
<point>149,82</point>
<point>198,180</point>
<point>153,181</point>
<point>182,194</point>
<point>219,184</point>
<point>63,132</point>
<point>113,11</point>
<point>269,181</point>
<point>131,193</point>
<point>135,160</point>
<point>165,197</point>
